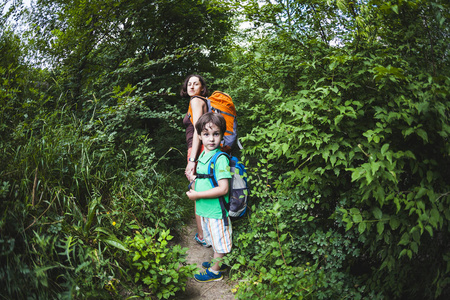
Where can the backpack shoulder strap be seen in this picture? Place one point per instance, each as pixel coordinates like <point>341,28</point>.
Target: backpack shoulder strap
<point>225,206</point>
<point>212,163</point>
<point>211,174</point>
<point>201,97</point>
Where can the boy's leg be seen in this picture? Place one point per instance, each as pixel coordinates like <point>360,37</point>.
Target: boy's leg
<point>198,221</point>
<point>218,261</point>
<point>220,237</point>
<point>199,238</point>
<point>217,234</point>
<point>197,217</point>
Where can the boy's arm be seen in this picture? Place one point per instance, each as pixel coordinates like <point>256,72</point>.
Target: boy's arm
<point>215,192</point>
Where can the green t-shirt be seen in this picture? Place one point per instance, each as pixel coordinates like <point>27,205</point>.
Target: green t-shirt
<point>210,207</point>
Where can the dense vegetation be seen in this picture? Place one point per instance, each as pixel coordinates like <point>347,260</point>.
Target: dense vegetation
<point>343,113</point>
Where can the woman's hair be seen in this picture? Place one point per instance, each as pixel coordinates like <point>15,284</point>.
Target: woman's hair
<point>211,117</point>
<point>184,93</point>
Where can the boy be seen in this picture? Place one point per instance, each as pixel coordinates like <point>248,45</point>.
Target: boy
<point>211,128</point>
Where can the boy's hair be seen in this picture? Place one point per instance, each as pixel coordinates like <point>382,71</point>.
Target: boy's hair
<point>211,117</point>
<point>184,93</point>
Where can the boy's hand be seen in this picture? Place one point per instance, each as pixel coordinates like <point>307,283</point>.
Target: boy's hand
<point>192,194</point>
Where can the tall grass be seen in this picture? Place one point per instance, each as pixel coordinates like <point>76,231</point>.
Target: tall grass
<point>73,191</point>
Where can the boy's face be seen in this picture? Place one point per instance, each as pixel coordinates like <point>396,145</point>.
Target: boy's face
<point>211,137</point>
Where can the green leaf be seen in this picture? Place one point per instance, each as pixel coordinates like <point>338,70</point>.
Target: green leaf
<point>348,226</point>
<point>405,239</point>
<point>361,227</point>
<point>91,213</point>
<point>113,241</point>
<point>434,217</point>
<point>333,159</point>
<point>380,227</point>
<point>338,119</point>
<point>408,131</point>
<point>276,206</point>
<point>357,218</point>
<point>423,134</point>
<point>136,256</point>
<point>384,148</point>
<point>423,107</point>
<point>414,247</point>
<point>354,211</point>
<point>375,166</point>
<point>376,139</point>
<point>430,176</point>
<point>422,191</point>
<point>272,234</point>
<point>377,213</point>
<point>102,230</point>
<point>389,156</point>
<point>403,252</point>
<point>429,229</point>
<point>394,223</point>
<point>395,8</point>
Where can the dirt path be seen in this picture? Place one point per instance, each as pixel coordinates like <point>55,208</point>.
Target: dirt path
<point>196,255</point>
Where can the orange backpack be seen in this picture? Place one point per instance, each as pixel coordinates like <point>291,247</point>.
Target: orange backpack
<point>222,103</point>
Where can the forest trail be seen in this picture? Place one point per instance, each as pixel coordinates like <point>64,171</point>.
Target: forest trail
<point>196,255</point>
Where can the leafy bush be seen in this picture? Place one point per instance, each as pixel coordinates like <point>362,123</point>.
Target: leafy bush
<point>350,154</point>
<point>85,142</point>
<point>284,250</point>
<point>70,199</point>
<point>157,265</point>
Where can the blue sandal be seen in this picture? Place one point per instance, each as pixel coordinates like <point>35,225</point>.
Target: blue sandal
<point>201,241</point>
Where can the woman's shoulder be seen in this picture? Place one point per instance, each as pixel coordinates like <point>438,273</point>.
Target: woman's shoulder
<point>198,99</point>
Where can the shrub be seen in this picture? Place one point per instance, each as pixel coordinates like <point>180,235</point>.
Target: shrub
<point>70,198</point>
<point>349,150</point>
<point>161,268</point>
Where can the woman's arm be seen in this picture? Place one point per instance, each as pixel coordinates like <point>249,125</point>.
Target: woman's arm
<point>198,107</point>
<point>215,192</point>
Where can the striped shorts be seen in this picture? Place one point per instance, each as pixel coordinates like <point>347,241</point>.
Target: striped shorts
<point>217,234</point>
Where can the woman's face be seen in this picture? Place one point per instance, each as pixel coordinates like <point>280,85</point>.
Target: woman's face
<point>194,87</point>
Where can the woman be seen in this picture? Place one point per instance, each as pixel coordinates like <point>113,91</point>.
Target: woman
<point>194,85</point>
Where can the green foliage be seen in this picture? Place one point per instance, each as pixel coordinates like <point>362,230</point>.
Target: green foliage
<point>85,143</point>
<point>161,268</point>
<point>148,46</point>
<point>72,190</point>
<point>266,257</point>
<point>344,108</point>
<point>285,251</point>
<point>349,134</point>
<point>103,35</point>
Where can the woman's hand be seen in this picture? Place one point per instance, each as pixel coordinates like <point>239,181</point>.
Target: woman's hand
<point>191,177</point>
<point>189,172</point>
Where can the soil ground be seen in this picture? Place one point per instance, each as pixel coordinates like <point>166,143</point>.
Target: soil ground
<point>196,255</point>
